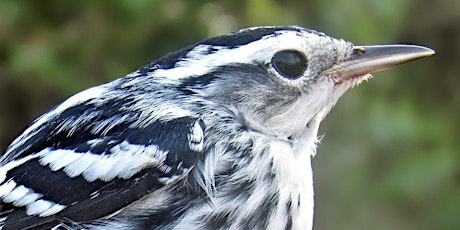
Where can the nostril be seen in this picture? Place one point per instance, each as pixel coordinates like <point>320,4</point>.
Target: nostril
<point>357,51</point>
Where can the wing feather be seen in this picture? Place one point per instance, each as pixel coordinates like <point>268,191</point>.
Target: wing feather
<point>82,166</point>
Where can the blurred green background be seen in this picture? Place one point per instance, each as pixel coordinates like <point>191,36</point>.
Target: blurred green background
<point>390,155</point>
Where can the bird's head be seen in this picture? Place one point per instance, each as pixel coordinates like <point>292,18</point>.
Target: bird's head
<point>277,80</point>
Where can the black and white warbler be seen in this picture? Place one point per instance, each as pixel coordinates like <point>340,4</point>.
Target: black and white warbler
<point>218,135</point>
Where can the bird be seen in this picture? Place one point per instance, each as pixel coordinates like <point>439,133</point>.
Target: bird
<point>218,135</point>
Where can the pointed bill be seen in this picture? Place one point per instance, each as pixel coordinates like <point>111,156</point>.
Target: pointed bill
<point>370,59</point>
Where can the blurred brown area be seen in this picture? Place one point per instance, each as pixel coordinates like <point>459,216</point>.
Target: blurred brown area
<point>390,156</point>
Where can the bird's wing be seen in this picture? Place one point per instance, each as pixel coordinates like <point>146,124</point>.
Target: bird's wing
<point>90,160</point>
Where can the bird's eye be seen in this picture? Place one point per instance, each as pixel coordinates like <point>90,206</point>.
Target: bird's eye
<point>289,63</point>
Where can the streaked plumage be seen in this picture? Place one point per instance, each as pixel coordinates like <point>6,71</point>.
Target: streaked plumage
<point>213,136</point>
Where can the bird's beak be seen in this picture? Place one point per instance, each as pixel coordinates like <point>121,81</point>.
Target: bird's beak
<point>370,59</point>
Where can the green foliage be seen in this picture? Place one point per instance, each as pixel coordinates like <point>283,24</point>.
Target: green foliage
<point>390,156</point>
